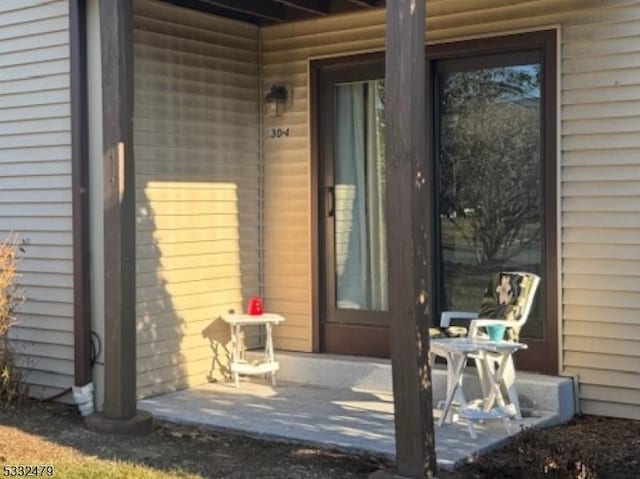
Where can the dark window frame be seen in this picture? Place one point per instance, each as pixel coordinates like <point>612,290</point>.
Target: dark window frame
<point>543,354</point>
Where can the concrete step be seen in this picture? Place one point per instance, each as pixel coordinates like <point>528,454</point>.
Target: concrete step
<point>537,392</point>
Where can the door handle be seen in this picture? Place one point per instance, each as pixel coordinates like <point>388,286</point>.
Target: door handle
<point>330,200</point>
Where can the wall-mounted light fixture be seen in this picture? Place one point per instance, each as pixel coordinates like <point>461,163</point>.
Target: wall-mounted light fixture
<point>279,99</point>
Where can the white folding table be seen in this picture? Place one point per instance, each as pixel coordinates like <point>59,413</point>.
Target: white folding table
<point>457,351</point>
<point>238,363</point>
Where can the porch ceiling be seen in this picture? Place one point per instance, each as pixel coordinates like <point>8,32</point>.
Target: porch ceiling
<point>269,12</point>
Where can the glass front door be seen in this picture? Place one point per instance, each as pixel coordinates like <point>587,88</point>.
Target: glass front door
<point>353,205</point>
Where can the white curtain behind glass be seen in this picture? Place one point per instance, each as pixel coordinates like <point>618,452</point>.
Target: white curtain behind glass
<point>360,228</point>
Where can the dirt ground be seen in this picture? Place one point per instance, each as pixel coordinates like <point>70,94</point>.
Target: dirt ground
<point>587,448</point>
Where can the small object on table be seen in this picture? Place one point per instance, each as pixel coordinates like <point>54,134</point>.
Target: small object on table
<point>238,364</point>
<point>254,308</point>
<point>496,332</point>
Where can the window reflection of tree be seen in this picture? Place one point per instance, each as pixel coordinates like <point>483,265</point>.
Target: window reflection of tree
<point>490,160</point>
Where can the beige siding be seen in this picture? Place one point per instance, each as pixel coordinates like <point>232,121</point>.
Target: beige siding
<point>197,186</point>
<point>35,182</point>
<point>600,124</point>
<point>601,233</point>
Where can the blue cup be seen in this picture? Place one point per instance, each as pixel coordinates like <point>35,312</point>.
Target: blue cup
<point>496,332</point>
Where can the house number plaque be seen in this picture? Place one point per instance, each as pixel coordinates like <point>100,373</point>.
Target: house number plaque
<point>278,132</point>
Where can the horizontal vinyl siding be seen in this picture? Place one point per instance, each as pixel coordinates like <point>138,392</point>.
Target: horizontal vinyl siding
<point>197,189</point>
<point>601,224</point>
<point>600,161</point>
<point>35,183</point>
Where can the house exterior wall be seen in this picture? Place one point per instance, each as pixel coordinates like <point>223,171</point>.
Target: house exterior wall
<point>599,165</point>
<point>35,182</point>
<point>199,180</point>
<point>197,189</point>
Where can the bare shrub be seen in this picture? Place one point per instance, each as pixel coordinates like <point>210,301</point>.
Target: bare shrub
<point>12,385</point>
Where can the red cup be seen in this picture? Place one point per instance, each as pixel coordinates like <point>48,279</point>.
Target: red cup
<point>255,306</point>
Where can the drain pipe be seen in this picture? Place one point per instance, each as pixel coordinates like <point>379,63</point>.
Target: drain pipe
<point>576,393</point>
<point>83,396</point>
<point>83,388</point>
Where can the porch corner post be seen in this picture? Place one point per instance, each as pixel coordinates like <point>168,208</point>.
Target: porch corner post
<point>409,213</point>
<point>120,415</point>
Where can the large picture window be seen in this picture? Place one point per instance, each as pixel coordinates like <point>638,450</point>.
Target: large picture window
<point>493,143</point>
<point>490,177</point>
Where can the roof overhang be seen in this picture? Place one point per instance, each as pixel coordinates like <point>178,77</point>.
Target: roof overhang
<point>271,12</point>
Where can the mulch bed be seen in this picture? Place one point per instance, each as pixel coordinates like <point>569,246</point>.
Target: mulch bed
<point>587,448</point>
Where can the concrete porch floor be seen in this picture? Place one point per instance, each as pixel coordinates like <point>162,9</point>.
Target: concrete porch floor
<point>347,419</point>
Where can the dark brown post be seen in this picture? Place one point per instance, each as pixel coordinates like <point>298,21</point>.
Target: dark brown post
<point>120,415</point>
<point>80,185</point>
<point>409,219</point>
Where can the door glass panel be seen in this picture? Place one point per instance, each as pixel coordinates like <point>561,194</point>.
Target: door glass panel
<point>359,197</point>
<point>490,205</point>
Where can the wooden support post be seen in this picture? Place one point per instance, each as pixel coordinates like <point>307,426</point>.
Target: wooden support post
<point>409,220</point>
<point>120,414</point>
